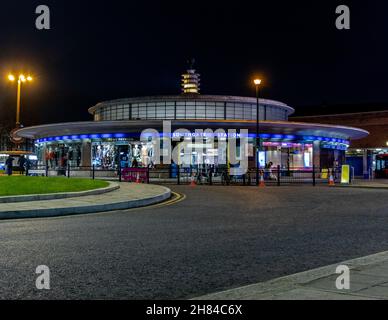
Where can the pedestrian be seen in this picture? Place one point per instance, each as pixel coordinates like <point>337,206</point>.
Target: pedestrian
<point>271,175</point>
<point>22,163</point>
<point>47,157</point>
<point>199,177</point>
<point>266,170</point>
<point>9,164</point>
<point>63,165</point>
<point>27,165</point>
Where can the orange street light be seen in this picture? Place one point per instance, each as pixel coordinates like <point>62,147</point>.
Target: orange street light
<point>257,82</point>
<point>21,78</point>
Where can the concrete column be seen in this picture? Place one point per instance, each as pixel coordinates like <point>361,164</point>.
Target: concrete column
<point>317,154</point>
<point>86,153</point>
<point>365,164</point>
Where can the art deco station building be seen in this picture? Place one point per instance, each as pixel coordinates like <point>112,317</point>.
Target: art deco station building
<point>114,133</point>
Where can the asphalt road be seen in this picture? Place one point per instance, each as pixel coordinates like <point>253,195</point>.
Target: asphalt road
<point>218,238</point>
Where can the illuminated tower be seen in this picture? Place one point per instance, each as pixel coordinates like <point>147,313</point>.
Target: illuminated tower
<point>190,80</point>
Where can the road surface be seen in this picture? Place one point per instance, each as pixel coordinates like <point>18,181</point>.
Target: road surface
<point>217,238</point>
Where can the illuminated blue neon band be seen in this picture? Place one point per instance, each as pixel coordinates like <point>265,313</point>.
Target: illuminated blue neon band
<point>237,135</point>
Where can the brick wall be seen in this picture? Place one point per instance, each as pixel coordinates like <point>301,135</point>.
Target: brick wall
<point>374,122</point>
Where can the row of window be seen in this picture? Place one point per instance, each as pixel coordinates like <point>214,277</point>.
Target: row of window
<point>189,110</point>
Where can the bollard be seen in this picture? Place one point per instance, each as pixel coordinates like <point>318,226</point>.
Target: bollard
<point>93,172</point>
<point>278,176</point>
<point>314,182</point>
<point>351,175</point>
<point>257,175</point>
<point>68,170</point>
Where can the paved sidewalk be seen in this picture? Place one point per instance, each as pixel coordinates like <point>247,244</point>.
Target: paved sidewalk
<point>375,183</point>
<point>129,195</point>
<point>368,281</point>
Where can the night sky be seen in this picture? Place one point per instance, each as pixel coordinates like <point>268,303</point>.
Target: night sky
<point>101,50</point>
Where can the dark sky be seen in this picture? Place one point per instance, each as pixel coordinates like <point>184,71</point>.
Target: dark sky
<point>100,50</point>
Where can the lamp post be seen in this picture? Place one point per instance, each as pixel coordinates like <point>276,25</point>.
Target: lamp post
<point>257,83</point>
<point>20,79</point>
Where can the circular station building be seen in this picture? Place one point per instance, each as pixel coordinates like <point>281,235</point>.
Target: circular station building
<point>113,137</point>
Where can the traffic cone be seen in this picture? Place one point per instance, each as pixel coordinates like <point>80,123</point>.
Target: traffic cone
<point>192,183</point>
<point>262,184</point>
<point>331,180</point>
<point>138,178</point>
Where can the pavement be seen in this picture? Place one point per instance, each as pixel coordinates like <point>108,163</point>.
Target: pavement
<point>365,183</point>
<point>218,238</point>
<point>129,195</point>
<point>368,280</point>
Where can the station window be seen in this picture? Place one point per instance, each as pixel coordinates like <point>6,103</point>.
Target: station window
<point>238,111</point>
<point>180,110</point>
<point>126,115</point>
<point>119,113</point>
<point>151,111</point>
<point>142,111</point>
<point>170,110</point>
<point>229,111</point>
<point>160,110</point>
<point>247,112</point>
<point>210,110</point>
<point>135,111</point>
<point>190,110</point>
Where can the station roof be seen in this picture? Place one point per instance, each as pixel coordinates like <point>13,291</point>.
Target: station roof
<point>272,127</point>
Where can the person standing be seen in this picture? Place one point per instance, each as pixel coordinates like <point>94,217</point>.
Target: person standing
<point>47,157</point>
<point>63,165</point>
<point>135,164</point>
<point>22,163</point>
<point>9,164</point>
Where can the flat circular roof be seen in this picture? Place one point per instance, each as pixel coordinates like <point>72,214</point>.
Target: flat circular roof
<point>274,127</point>
<point>191,97</point>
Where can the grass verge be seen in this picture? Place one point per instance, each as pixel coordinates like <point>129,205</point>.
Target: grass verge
<point>21,185</point>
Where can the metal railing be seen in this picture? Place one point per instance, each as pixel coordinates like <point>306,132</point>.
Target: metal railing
<point>181,175</point>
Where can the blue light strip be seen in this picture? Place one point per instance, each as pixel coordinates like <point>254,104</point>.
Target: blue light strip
<point>128,135</point>
<point>136,135</point>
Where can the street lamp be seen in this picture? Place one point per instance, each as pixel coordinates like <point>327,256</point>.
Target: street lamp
<point>257,83</point>
<point>20,79</point>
